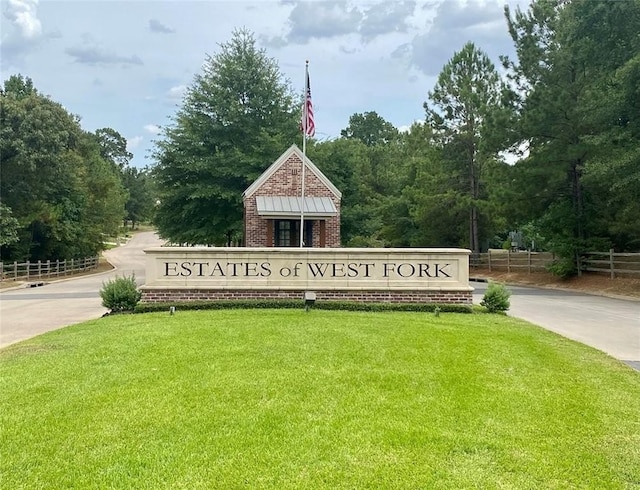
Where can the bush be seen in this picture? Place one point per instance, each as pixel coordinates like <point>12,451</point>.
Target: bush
<point>319,305</point>
<point>563,268</point>
<point>120,294</point>
<point>496,299</point>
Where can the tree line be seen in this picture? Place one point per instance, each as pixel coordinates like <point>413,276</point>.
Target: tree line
<point>548,147</point>
<point>549,150</point>
<point>62,189</point>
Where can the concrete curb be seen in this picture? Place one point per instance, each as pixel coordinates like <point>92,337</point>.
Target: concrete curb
<point>25,285</point>
<point>554,288</point>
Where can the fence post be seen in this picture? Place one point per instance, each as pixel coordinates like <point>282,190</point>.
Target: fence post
<point>39,269</point>
<point>489,259</point>
<point>15,271</point>
<point>529,261</point>
<point>611,264</point>
<point>508,261</point>
<point>579,264</point>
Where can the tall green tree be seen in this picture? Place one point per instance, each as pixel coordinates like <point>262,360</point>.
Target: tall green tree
<point>344,162</point>
<point>606,34</point>
<point>60,190</point>
<point>365,164</point>
<point>575,73</point>
<point>113,147</point>
<point>137,183</point>
<point>462,110</point>
<point>141,200</point>
<point>237,117</point>
<point>370,128</point>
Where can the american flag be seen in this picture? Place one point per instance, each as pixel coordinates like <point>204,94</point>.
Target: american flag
<point>307,125</point>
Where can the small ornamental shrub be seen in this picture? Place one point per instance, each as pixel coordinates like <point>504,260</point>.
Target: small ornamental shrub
<point>496,298</point>
<point>120,294</point>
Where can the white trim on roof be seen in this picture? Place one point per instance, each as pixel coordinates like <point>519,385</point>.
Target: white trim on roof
<point>293,150</point>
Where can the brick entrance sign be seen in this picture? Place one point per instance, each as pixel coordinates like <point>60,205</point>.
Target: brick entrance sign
<point>277,219</point>
<point>347,274</point>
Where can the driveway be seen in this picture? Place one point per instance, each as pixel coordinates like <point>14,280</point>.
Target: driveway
<point>27,312</point>
<point>608,324</point>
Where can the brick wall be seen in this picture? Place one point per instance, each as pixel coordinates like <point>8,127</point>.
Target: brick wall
<point>180,295</point>
<point>286,181</point>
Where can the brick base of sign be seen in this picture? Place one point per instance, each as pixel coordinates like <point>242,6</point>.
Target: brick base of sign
<point>182,295</point>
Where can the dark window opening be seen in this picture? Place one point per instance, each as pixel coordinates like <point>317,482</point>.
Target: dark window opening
<point>287,233</point>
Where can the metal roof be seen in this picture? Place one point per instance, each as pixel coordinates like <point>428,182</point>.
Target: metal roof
<point>288,206</point>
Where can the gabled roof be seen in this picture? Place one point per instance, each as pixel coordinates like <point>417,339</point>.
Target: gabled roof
<point>293,150</point>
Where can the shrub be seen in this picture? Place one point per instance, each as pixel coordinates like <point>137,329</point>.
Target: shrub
<point>319,305</point>
<point>563,268</point>
<point>120,294</point>
<point>496,298</point>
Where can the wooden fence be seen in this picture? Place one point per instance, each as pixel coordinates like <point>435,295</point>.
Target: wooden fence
<point>509,261</point>
<point>29,271</point>
<point>615,264</point>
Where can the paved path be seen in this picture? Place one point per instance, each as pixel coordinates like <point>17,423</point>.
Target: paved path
<point>608,324</point>
<point>27,312</point>
<point>611,325</point>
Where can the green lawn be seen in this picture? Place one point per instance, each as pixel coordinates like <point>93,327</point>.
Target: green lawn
<point>325,399</point>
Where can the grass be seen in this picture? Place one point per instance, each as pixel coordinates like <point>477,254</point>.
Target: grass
<point>325,399</point>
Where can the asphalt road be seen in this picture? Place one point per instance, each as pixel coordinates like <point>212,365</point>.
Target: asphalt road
<point>26,312</point>
<point>610,325</point>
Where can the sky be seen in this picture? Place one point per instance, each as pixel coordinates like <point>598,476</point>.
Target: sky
<point>126,64</point>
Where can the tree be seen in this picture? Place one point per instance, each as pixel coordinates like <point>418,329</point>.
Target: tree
<point>137,183</point>
<point>606,34</point>
<point>576,77</point>
<point>63,194</point>
<point>370,128</point>
<point>238,116</point>
<point>464,104</point>
<point>342,161</point>
<point>8,226</point>
<point>139,205</point>
<point>113,147</point>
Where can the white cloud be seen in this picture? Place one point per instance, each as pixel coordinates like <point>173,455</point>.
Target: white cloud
<point>386,17</point>
<point>133,143</point>
<point>332,19</point>
<point>177,92</point>
<point>455,23</point>
<point>21,33</point>
<point>24,15</point>
<point>320,20</point>
<point>153,129</point>
<point>131,74</point>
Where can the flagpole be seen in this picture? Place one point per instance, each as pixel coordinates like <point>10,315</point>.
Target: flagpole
<point>305,119</point>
